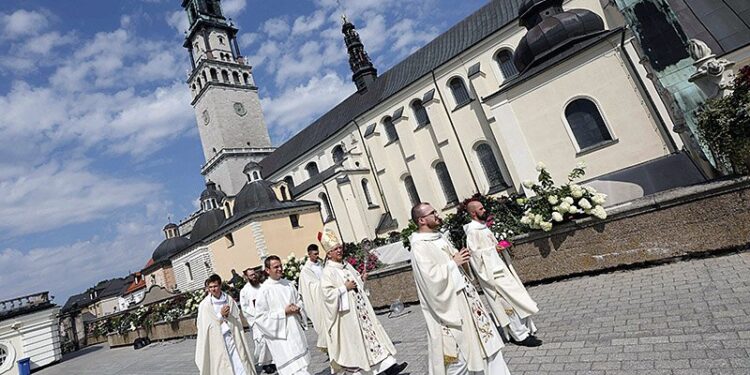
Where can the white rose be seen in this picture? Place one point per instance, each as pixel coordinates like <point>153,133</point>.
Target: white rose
<point>564,206</point>
<point>573,209</point>
<point>584,203</point>
<point>546,226</point>
<point>576,191</point>
<point>528,184</point>
<point>569,200</point>
<point>599,198</point>
<point>525,220</point>
<point>552,199</point>
<point>540,166</point>
<point>556,216</point>
<point>538,219</point>
<point>599,212</point>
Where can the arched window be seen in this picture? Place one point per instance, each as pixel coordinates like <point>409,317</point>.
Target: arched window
<point>420,113</point>
<point>327,212</point>
<point>460,94</point>
<point>203,73</point>
<point>236,77</point>
<point>200,85</point>
<point>446,183</point>
<point>188,271</point>
<point>256,175</point>
<point>312,169</point>
<point>411,190</point>
<point>284,195</point>
<point>586,123</point>
<point>289,184</point>
<point>225,76</point>
<point>214,76</point>
<point>227,210</point>
<point>246,77</point>
<point>366,190</point>
<point>504,60</point>
<point>489,165</point>
<point>390,129</point>
<point>338,154</point>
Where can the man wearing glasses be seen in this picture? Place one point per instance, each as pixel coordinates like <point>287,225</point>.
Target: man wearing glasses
<point>462,336</point>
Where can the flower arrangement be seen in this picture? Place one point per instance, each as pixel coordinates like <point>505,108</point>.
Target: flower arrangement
<point>361,259</point>
<point>557,204</point>
<point>293,267</point>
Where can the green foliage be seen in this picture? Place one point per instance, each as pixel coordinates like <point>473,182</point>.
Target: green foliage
<point>724,126</point>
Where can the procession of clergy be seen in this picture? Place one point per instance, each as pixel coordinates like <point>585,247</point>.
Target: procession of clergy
<point>464,336</point>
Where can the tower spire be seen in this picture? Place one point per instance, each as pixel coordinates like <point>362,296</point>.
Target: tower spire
<point>363,72</point>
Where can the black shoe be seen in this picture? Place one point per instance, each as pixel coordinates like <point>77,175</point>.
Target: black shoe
<point>269,369</point>
<point>530,341</point>
<point>395,369</point>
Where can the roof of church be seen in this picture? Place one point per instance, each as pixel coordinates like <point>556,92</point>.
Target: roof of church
<point>207,223</point>
<point>470,31</point>
<point>723,25</point>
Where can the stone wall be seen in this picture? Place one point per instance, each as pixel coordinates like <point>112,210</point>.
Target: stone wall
<point>705,218</point>
<point>160,331</point>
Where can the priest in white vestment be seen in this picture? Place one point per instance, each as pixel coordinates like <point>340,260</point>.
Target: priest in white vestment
<point>357,342</point>
<point>312,295</point>
<point>221,347</point>
<point>508,299</point>
<point>280,318</point>
<point>248,295</point>
<point>462,339</point>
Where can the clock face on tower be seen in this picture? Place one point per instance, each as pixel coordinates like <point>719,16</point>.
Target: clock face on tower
<point>240,109</point>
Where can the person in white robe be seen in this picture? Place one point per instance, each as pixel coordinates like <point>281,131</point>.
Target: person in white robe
<point>357,342</point>
<point>312,295</point>
<point>462,337</point>
<point>280,317</point>
<point>221,347</point>
<point>248,296</point>
<point>508,299</point>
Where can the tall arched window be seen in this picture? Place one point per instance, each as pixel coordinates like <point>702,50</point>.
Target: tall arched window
<point>327,212</point>
<point>338,154</point>
<point>390,129</point>
<point>203,74</point>
<point>214,76</point>
<point>225,76</point>
<point>420,113</point>
<point>489,165</point>
<point>227,210</point>
<point>366,190</point>
<point>246,77</point>
<point>411,190</point>
<point>504,60</point>
<point>284,195</point>
<point>586,123</point>
<point>446,183</point>
<point>460,93</point>
<point>312,169</point>
<point>189,271</point>
<point>236,77</point>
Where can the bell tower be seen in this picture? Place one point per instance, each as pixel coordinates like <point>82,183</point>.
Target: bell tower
<point>224,97</point>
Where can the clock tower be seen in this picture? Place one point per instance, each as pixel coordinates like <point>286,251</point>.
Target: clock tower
<point>224,96</point>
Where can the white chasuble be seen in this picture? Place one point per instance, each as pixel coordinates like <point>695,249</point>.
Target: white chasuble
<point>312,295</point>
<point>458,324</point>
<point>497,278</point>
<point>248,296</point>
<point>221,347</point>
<point>356,339</point>
<point>283,333</point>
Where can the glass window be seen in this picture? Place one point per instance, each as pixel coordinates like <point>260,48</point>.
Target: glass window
<point>586,123</point>
<point>446,183</point>
<point>390,129</point>
<point>420,113</point>
<point>411,191</point>
<point>504,60</point>
<point>490,166</point>
<point>460,94</point>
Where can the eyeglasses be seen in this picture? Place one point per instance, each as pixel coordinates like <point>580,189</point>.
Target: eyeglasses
<point>434,212</point>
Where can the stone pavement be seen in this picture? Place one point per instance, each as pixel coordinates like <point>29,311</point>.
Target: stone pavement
<point>690,317</point>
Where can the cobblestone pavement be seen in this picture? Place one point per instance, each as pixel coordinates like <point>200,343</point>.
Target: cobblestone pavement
<point>690,317</point>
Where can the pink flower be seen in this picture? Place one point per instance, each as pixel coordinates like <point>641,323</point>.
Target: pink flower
<point>505,244</point>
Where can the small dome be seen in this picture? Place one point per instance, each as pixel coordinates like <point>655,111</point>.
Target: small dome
<point>170,226</point>
<point>212,192</point>
<point>550,29</point>
<point>256,196</point>
<point>170,247</point>
<point>207,223</point>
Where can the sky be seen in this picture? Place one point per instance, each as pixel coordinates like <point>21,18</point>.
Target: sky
<point>99,146</point>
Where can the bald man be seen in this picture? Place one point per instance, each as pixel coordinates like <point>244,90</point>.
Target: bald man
<point>509,301</point>
<point>462,338</point>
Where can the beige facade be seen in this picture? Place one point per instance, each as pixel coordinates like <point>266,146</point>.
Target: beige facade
<point>162,276</point>
<point>251,242</point>
<point>521,125</point>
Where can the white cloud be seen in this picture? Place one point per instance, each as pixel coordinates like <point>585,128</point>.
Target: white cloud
<point>306,24</point>
<point>23,22</point>
<point>232,8</point>
<point>298,106</point>
<point>45,43</point>
<point>53,195</point>
<point>178,20</point>
<point>276,28</point>
<point>247,39</point>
